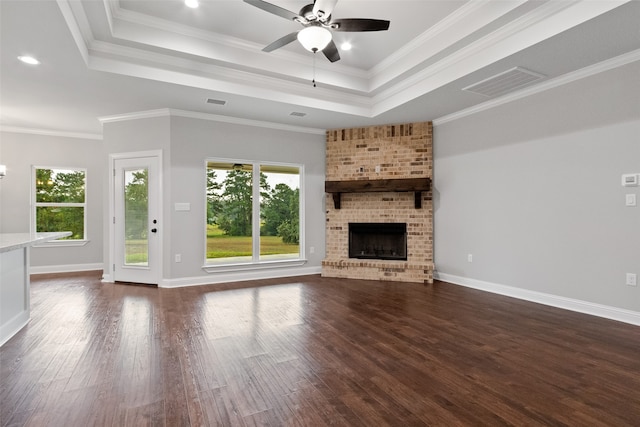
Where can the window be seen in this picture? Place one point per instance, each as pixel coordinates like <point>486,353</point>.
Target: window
<point>136,216</point>
<point>59,196</point>
<point>253,212</point>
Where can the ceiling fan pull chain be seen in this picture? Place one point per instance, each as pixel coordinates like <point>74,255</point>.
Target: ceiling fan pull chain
<point>314,68</point>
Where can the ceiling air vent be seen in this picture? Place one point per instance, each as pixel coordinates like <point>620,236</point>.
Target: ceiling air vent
<point>298,114</point>
<point>505,82</point>
<point>216,101</point>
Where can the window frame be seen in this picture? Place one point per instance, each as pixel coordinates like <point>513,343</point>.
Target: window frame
<point>35,205</point>
<point>219,265</point>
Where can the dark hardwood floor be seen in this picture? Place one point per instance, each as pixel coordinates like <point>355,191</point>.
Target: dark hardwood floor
<point>311,351</point>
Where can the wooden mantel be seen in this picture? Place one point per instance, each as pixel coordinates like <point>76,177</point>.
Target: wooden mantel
<point>417,185</point>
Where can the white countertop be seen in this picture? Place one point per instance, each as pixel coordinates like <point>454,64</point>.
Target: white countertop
<point>11,241</point>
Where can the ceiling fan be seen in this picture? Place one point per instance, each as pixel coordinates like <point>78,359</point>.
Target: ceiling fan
<point>318,24</point>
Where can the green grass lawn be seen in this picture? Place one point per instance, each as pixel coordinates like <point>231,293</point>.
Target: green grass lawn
<point>220,245</point>
<point>136,252</point>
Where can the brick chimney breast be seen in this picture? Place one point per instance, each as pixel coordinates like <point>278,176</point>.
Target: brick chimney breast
<point>375,153</point>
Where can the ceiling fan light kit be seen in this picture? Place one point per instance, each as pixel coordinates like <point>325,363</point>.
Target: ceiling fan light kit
<point>318,24</point>
<point>193,4</point>
<point>314,38</point>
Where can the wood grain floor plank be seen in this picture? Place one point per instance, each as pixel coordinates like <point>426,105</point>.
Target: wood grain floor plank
<point>220,408</point>
<point>311,351</point>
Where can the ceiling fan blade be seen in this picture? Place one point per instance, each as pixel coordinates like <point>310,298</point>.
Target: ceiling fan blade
<point>331,52</point>
<point>360,24</point>
<point>282,41</point>
<point>322,8</point>
<point>276,10</point>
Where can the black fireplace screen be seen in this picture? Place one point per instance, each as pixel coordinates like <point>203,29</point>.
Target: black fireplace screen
<point>378,241</point>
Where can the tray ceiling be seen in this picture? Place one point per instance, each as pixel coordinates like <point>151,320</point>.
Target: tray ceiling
<point>165,55</point>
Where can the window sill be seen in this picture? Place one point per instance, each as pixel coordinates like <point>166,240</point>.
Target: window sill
<point>62,243</point>
<point>260,265</point>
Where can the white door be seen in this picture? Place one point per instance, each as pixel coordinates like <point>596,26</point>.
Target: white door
<point>137,229</point>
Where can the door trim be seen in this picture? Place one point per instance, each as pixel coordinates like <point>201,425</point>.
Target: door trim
<point>109,261</point>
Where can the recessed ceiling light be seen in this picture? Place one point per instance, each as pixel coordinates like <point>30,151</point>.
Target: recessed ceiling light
<point>192,3</point>
<point>346,46</point>
<point>29,60</point>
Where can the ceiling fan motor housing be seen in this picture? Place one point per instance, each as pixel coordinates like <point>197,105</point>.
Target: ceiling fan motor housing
<point>307,13</point>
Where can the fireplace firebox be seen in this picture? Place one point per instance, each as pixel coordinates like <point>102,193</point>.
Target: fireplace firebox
<point>378,241</point>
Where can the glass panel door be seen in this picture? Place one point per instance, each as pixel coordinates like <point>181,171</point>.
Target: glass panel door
<point>136,217</point>
<point>137,239</point>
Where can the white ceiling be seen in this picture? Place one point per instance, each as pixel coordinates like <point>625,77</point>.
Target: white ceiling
<point>102,59</point>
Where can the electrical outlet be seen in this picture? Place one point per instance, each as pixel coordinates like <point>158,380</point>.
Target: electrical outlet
<point>178,257</point>
<point>312,249</point>
<point>632,279</point>
<point>630,200</point>
<point>470,257</point>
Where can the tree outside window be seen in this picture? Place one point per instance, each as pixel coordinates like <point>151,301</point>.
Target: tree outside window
<point>60,201</point>
<point>232,204</point>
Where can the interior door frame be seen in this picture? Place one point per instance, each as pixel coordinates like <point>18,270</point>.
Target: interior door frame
<point>109,270</point>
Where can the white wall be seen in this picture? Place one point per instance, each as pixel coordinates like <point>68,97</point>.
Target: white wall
<point>19,152</point>
<point>186,143</point>
<point>193,141</point>
<point>132,136</point>
<point>533,190</point>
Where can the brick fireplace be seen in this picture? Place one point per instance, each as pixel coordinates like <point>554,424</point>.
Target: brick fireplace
<point>379,176</point>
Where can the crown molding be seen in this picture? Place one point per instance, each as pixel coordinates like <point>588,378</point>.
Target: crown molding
<point>48,132</point>
<point>536,26</point>
<point>467,19</point>
<point>228,57</point>
<point>297,80</point>
<point>589,71</point>
<point>171,112</point>
<point>284,92</point>
<point>137,20</point>
<point>117,13</point>
<point>80,31</point>
<point>140,19</point>
<point>449,68</point>
<point>161,112</point>
<point>130,55</point>
<point>246,122</point>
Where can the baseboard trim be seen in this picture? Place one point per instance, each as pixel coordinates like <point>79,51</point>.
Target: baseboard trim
<point>600,310</point>
<point>13,326</point>
<point>240,276</point>
<point>69,268</point>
